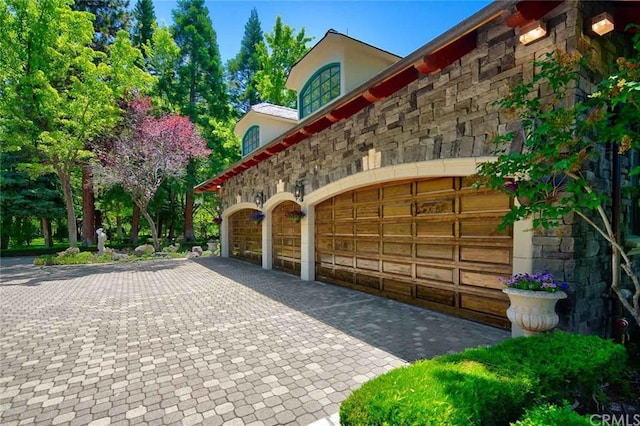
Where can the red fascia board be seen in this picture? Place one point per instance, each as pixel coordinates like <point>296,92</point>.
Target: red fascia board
<point>350,108</point>
<point>395,83</point>
<point>318,125</point>
<point>449,54</point>
<point>536,9</point>
<point>293,139</point>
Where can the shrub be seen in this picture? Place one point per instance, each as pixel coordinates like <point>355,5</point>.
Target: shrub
<point>486,386</point>
<point>552,415</point>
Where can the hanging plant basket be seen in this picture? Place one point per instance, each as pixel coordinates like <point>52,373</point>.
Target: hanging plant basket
<point>217,220</point>
<point>256,217</point>
<point>295,215</point>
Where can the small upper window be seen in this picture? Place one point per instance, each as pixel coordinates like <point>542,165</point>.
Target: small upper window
<point>251,140</point>
<point>322,87</point>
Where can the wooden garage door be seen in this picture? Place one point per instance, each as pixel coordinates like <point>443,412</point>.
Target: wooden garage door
<point>286,239</point>
<point>245,237</point>
<point>431,242</point>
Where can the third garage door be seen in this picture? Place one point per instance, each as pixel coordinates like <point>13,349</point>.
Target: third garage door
<point>432,242</point>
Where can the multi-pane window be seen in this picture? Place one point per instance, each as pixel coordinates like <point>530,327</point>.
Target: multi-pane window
<point>322,87</point>
<point>251,140</point>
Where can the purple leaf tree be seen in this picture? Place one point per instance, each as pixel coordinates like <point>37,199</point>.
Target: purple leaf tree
<point>145,151</point>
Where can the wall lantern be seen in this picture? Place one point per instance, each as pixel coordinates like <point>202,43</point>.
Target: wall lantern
<point>602,24</point>
<point>259,199</point>
<point>532,32</point>
<point>298,191</point>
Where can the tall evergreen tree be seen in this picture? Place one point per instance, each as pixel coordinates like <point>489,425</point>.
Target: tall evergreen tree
<point>199,90</point>
<point>111,16</point>
<point>241,69</point>
<point>145,19</point>
<point>282,49</point>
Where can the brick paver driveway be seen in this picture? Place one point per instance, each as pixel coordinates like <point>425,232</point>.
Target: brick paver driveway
<point>212,341</point>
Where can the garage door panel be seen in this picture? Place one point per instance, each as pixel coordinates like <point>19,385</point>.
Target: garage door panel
<point>397,249</point>
<point>431,241</point>
<point>403,288</point>
<point>396,210</point>
<point>437,295</point>
<point>396,268</point>
<point>363,212</point>
<point>368,228</point>
<point>485,201</point>
<point>481,279</point>
<point>367,246</point>
<point>396,229</point>
<point>428,229</point>
<point>400,190</point>
<point>433,273</point>
<point>371,281</point>
<point>435,207</point>
<point>245,237</point>
<point>484,304</point>
<point>486,255</point>
<point>433,251</point>
<point>435,185</point>
<point>481,229</point>
<point>371,264</point>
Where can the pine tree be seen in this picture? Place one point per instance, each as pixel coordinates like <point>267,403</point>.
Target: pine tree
<point>199,90</point>
<point>111,16</point>
<point>242,68</point>
<point>145,19</point>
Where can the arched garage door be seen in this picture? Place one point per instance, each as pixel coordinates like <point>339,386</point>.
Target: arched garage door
<point>431,242</point>
<point>245,237</point>
<point>286,239</point>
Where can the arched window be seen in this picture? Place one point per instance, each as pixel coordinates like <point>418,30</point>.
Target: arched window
<point>251,140</point>
<point>322,87</point>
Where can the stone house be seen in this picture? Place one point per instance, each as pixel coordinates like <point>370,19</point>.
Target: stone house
<point>378,157</point>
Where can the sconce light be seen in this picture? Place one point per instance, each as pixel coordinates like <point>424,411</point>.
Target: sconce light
<point>602,24</point>
<point>298,191</point>
<point>259,199</point>
<point>532,32</point>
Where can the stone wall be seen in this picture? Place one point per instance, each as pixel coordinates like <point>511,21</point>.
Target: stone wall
<point>449,114</point>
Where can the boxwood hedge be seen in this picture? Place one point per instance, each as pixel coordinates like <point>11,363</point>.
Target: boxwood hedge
<point>487,386</point>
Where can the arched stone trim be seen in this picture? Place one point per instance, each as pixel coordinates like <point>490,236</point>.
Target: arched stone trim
<point>276,199</point>
<point>522,237</point>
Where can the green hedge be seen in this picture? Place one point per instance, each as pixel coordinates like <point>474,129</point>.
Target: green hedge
<point>487,386</point>
<point>552,415</point>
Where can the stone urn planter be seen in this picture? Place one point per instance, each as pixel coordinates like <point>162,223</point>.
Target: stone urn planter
<point>533,311</point>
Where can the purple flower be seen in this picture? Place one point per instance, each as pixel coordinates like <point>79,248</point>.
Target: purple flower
<point>539,281</point>
<point>511,186</point>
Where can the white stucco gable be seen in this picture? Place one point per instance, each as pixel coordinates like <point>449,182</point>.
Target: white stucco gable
<point>272,121</point>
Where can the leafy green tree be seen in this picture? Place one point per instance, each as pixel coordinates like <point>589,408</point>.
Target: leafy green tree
<point>199,91</point>
<point>145,20</point>
<point>241,69</point>
<point>111,16</point>
<point>282,49</point>
<point>58,93</point>
<point>561,136</point>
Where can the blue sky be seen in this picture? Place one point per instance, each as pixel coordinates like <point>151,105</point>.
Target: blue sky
<point>399,27</point>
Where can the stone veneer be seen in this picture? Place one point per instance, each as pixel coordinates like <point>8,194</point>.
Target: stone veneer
<point>449,114</point>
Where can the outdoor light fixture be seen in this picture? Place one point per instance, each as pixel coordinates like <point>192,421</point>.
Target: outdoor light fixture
<point>259,199</point>
<point>602,24</point>
<point>532,32</point>
<point>298,191</point>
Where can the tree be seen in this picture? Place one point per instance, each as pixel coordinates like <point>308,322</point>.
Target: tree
<point>26,197</point>
<point>561,137</point>
<point>58,93</point>
<point>145,21</point>
<point>282,49</point>
<point>241,69</point>
<point>147,151</point>
<point>111,16</point>
<point>199,90</point>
